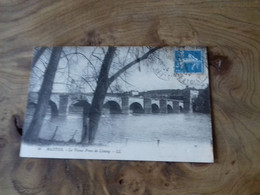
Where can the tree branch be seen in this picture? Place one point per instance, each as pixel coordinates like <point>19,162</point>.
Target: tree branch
<point>92,88</point>
<point>84,56</point>
<point>137,60</point>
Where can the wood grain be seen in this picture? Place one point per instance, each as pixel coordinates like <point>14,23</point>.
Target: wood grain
<point>231,31</point>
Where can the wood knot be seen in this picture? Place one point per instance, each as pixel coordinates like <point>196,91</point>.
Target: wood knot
<point>93,38</point>
<point>121,181</point>
<point>18,124</point>
<point>220,62</point>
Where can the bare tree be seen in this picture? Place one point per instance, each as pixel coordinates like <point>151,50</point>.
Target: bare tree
<point>103,83</point>
<point>32,132</point>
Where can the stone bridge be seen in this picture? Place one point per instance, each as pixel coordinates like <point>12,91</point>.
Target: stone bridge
<point>125,103</point>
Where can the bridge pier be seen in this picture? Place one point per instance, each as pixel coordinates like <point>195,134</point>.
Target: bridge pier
<point>63,104</point>
<point>186,106</point>
<point>176,107</point>
<point>186,100</point>
<point>147,105</point>
<point>163,106</point>
<point>125,105</point>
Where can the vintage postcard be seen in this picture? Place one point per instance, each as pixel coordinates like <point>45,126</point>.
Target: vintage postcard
<point>119,103</point>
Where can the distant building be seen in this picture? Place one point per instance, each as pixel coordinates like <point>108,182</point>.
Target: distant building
<point>133,92</point>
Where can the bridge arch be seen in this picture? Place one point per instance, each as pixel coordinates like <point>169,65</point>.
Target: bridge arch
<point>111,107</point>
<point>79,106</point>
<point>139,100</point>
<point>53,108</point>
<point>110,99</point>
<point>136,108</point>
<point>169,108</point>
<point>155,108</point>
<point>181,106</point>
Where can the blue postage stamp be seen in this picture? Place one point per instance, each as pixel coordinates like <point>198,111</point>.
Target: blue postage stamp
<point>189,61</point>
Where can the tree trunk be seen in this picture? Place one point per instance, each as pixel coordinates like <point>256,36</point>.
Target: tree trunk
<point>37,55</point>
<point>99,97</point>
<point>44,96</point>
<point>85,125</point>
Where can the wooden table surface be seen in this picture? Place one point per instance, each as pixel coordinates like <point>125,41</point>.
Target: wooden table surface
<point>230,30</point>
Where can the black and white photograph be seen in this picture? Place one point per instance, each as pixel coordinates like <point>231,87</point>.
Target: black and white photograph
<point>119,103</point>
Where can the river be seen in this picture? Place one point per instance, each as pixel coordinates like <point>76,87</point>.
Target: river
<point>122,129</point>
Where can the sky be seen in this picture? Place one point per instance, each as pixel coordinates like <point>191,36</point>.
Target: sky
<point>146,80</point>
<point>145,76</point>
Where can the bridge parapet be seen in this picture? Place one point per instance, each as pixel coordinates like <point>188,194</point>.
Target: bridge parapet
<point>161,100</point>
